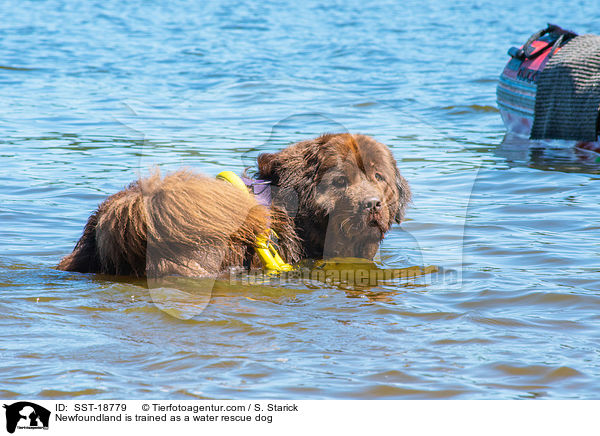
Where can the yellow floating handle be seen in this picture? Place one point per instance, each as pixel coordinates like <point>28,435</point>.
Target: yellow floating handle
<point>266,251</point>
<point>233,178</point>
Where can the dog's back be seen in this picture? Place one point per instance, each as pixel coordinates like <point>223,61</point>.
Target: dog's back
<point>184,224</point>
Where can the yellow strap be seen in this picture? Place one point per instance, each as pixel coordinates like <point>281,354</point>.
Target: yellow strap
<point>268,255</point>
<point>266,251</point>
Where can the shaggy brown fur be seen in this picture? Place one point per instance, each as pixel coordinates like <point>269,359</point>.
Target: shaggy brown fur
<point>327,185</point>
<point>336,195</point>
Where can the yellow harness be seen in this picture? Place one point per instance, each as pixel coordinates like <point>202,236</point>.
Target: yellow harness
<point>265,248</point>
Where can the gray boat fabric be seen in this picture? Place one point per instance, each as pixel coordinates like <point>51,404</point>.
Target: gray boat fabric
<point>568,92</point>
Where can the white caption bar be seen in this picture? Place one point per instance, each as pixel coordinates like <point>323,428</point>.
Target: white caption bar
<point>76,417</point>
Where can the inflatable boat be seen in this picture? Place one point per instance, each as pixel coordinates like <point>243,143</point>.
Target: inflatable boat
<point>550,88</point>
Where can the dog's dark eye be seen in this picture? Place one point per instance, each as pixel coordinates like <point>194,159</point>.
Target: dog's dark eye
<point>379,177</point>
<point>340,182</point>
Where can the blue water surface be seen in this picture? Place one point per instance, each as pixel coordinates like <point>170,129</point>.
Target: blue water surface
<point>95,94</point>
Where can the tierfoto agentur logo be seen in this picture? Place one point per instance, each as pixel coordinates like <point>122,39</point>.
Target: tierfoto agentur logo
<point>26,415</point>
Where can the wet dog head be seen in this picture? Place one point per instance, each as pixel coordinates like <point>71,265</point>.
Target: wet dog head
<point>343,192</point>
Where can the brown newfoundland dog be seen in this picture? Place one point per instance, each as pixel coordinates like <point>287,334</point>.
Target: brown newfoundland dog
<point>333,196</point>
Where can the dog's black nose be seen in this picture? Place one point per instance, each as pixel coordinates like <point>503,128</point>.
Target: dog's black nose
<point>372,204</point>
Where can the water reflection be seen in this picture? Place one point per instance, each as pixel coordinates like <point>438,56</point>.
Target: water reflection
<point>185,298</point>
<point>547,156</point>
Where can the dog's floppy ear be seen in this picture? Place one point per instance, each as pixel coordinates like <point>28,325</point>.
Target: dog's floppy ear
<point>269,166</point>
<point>404,196</point>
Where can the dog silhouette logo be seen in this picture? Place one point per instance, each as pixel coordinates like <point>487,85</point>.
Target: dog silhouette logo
<point>26,415</point>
